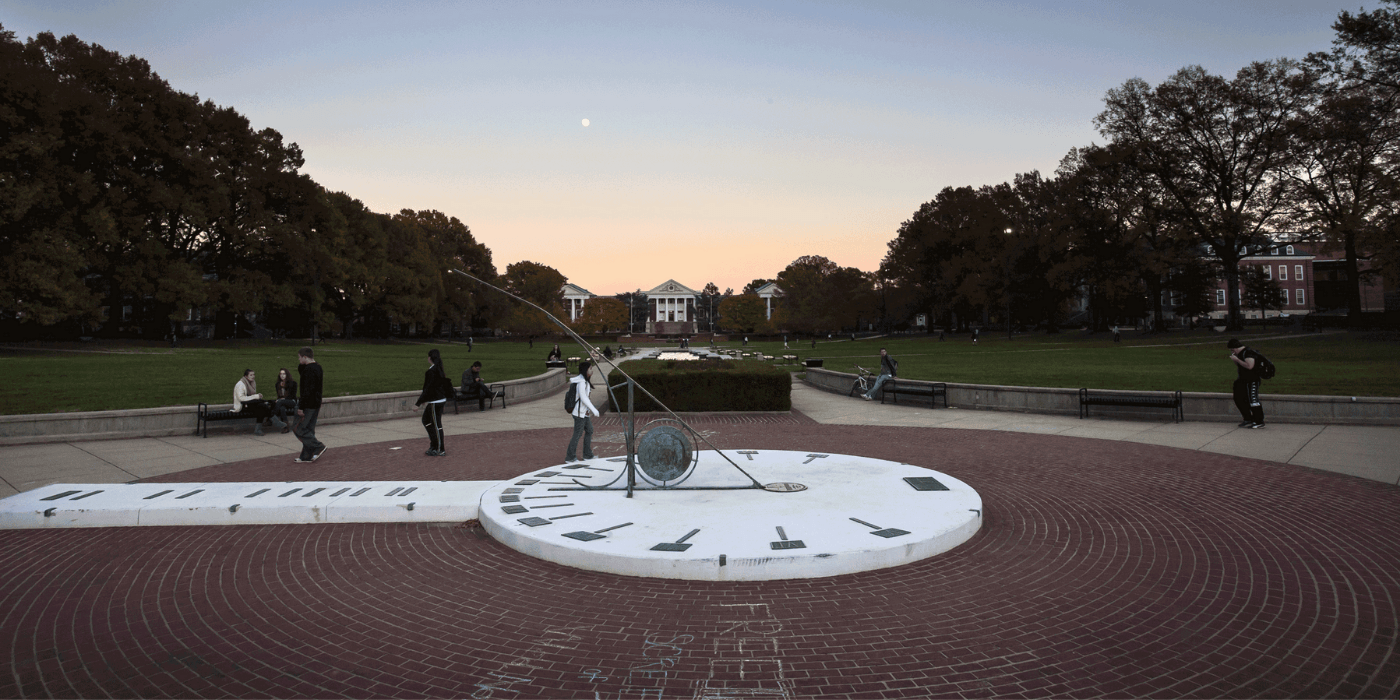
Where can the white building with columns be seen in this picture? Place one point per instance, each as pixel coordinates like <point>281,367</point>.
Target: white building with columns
<point>574,297</point>
<point>767,293</point>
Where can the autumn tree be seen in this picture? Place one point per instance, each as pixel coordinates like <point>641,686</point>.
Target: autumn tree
<point>1218,147</point>
<point>539,284</point>
<point>602,315</point>
<point>745,313</point>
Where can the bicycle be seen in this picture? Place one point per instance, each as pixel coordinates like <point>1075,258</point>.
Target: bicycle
<point>864,380</point>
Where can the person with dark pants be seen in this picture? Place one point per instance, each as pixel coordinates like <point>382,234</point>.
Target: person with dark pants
<point>436,390</point>
<point>1246,387</point>
<point>249,402</point>
<point>583,424</point>
<point>474,387</point>
<point>309,406</point>
<point>286,404</point>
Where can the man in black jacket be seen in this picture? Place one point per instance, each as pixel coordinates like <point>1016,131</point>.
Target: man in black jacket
<point>1246,388</point>
<point>888,368</point>
<point>309,406</point>
<point>473,387</point>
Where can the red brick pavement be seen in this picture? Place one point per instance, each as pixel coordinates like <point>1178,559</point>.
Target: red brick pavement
<point>1103,569</point>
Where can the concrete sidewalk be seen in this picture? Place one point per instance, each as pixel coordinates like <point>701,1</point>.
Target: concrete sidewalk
<point>1366,452</point>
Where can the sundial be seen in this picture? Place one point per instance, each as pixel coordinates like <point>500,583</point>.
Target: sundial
<point>670,509</point>
<point>824,516</point>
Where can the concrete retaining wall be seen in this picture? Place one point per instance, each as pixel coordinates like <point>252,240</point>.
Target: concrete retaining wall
<point>180,420</point>
<point>1198,406</point>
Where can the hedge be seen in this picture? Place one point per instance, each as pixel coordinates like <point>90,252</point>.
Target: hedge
<point>707,385</point>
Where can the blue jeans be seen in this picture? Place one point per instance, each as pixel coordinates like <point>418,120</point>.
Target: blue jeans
<point>582,427</point>
<point>879,381</point>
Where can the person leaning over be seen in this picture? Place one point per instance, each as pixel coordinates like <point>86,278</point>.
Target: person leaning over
<point>437,388</point>
<point>309,406</point>
<point>286,405</point>
<point>583,406</point>
<point>247,398</point>
<point>888,368</point>
<point>1246,387</point>
<point>473,387</point>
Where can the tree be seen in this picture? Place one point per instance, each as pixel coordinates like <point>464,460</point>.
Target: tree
<point>819,295</point>
<point>1218,147</point>
<point>745,313</point>
<point>1366,48</point>
<point>541,285</point>
<point>754,286</point>
<point>602,315</point>
<point>1260,291</point>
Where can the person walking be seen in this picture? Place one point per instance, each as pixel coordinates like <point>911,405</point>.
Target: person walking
<point>888,368</point>
<point>469,343</point>
<point>1116,336</point>
<point>583,406</point>
<point>309,406</point>
<point>437,388</point>
<point>1246,387</point>
<point>286,405</point>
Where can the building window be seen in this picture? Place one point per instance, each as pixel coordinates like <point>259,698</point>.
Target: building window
<point>1268,272</point>
<point>1219,297</point>
<point>1290,250</point>
<point>1285,297</point>
<point>1298,272</point>
<point>1283,272</point>
<point>1299,293</point>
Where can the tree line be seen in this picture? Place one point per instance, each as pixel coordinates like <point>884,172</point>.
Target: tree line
<point>127,206</point>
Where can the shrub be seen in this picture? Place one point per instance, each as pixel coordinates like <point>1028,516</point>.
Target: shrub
<point>707,385</point>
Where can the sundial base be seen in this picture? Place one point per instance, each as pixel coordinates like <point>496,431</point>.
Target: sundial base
<point>854,514</point>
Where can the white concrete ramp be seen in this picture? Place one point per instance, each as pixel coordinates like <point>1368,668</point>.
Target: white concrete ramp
<point>236,503</point>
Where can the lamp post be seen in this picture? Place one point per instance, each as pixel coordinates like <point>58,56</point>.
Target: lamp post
<point>1008,232</point>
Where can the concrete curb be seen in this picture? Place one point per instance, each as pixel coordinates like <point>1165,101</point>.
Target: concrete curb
<point>1198,406</point>
<point>180,420</point>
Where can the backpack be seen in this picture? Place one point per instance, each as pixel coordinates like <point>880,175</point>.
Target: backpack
<point>1263,367</point>
<point>571,397</point>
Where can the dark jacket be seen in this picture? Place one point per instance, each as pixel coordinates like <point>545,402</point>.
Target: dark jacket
<point>311,378</point>
<point>289,390</point>
<point>888,365</point>
<point>436,386</point>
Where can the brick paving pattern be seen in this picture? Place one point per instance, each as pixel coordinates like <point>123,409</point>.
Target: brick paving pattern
<point>1103,569</point>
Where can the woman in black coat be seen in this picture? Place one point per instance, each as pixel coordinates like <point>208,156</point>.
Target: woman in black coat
<point>437,389</point>
<point>286,404</point>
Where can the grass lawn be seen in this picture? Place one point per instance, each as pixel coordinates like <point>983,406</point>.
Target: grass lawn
<point>113,377</point>
<point>43,381</point>
<point>1341,364</point>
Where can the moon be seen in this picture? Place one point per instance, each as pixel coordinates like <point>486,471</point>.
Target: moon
<point>585,122</point>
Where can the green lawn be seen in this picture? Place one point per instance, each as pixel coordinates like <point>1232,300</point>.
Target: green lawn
<point>42,381</point>
<point>137,377</point>
<point>1327,364</point>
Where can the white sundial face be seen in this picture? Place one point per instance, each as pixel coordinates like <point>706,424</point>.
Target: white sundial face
<point>818,515</point>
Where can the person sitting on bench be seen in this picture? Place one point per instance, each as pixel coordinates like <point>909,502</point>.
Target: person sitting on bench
<point>246,397</point>
<point>474,388</point>
<point>554,354</point>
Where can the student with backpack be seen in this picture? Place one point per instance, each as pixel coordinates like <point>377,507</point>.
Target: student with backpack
<point>1252,368</point>
<point>577,403</point>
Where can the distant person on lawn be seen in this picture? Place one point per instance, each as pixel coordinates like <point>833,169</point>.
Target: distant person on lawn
<point>309,406</point>
<point>888,368</point>
<point>555,354</point>
<point>247,398</point>
<point>286,405</point>
<point>437,389</point>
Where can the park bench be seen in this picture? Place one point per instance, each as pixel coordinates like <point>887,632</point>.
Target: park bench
<point>498,391</point>
<point>204,416</point>
<point>893,388</point>
<point>1156,399</point>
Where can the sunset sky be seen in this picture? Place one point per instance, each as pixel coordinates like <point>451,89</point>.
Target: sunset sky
<point>724,139</point>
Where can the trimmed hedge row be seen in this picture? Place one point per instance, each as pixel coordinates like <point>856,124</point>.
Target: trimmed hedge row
<point>708,385</point>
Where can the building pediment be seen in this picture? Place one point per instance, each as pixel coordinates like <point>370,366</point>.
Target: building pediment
<point>769,290</point>
<point>672,288</point>
<point>573,291</point>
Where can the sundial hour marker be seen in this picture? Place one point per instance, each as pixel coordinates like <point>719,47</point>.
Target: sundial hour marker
<point>513,498</point>
<point>887,532</point>
<point>534,522</point>
<point>786,543</point>
<point>814,456</point>
<point>527,482</point>
<point>571,515</point>
<point>547,474</point>
<point>595,535</point>
<point>677,546</point>
<point>925,483</point>
<point>748,453</point>
<point>514,509</point>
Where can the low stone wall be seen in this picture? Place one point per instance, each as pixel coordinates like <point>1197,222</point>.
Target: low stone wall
<point>180,420</point>
<point>1198,406</point>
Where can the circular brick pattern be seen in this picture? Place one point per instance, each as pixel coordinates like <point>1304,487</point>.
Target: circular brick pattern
<point>1102,568</point>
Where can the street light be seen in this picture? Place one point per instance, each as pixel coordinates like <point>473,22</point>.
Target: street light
<point>1008,287</point>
